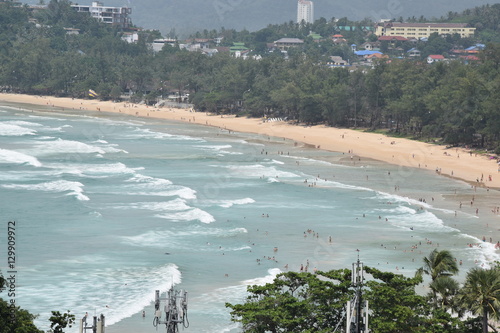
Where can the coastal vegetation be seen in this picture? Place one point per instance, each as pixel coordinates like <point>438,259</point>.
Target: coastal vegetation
<point>455,103</point>
<point>315,302</point>
<point>14,319</point>
<point>307,302</point>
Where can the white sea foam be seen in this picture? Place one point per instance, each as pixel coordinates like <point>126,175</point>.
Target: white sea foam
<point>258,170</point>
<point>182,239</point>
<point>314,161</point>
<point>189,215</point>
<point>410,201</point>
<point>15,130</point>
<point>117,293</point>
<point>46,118</point>
<point>260,281</point>
<point>145,185</point>
<point>73,188</point>
<point>176,191</point>
<point>339,185</point>
<point>109,148</point>
<point>482,253</point>
<point>90,170</point>
<point>34,126</point>
<point>174,210</point>
<point>213,147</point>
<point>14,157</point>
<point>13,108</point>
<point>153,183</point>
<point>22,123</point>
<point>173,205</point>
<point>419,220</point>
<point>230,203</point>
<point>145,133</point>
<point>219,149</point>
<point>60,146</point>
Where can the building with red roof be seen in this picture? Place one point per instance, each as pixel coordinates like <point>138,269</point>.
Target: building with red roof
<point>435,58</point>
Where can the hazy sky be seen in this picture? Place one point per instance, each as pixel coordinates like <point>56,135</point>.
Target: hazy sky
<point>256,14</point>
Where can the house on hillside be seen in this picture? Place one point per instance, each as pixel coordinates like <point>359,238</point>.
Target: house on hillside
<point>130,37</point>
<point>336,61</point>
<point>338,39</point>
<point>238,50</point>
<point>285,43</point>
<point>197,44</point>
<point>72,31</point>
<point>470,51</point>
<point>467,59</point>
<point>210,52</point>
<point>371,46</point>
<point>158,44</point>
<point>222,49</point>
<point>375,56</point>
<point>435,58</point>
<point>271,47</point>
<point>413,53</point>
<point>316,37</point>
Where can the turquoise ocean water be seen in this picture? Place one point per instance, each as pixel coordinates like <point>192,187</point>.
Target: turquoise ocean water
<point>110,208</point>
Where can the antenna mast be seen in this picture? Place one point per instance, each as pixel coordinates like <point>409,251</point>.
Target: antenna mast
<point>97,326</point>
<point>175,310</point>
<point>357,312</point>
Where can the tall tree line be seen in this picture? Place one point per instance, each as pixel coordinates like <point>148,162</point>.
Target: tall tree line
<point>453,103</point>
<point>306,302</point>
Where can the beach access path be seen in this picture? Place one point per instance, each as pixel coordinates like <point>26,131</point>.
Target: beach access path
<point>477,169</point>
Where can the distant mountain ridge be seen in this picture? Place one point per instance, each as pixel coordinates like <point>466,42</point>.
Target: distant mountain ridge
<point>189,16</point>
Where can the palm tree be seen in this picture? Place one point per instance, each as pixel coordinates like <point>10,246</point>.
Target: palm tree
<point>481,293</point>
<point>441,265</point>
<point>447,288</point>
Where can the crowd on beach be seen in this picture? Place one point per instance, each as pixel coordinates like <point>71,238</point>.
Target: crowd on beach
<point>418,156</point>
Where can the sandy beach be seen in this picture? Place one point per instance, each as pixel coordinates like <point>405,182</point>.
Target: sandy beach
<point>459,163</point>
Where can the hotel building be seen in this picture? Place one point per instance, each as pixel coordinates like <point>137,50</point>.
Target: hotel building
<point>117,16</point>
<point>423,30</point>
<point>305,11</point>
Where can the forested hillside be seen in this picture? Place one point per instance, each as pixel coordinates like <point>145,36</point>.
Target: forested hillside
<point>456,102</point>
<point>189,16</point>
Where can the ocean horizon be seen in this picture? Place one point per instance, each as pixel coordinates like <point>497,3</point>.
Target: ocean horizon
<point>109,208</point>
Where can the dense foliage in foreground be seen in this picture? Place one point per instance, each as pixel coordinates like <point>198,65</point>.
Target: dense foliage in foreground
<point>14,319</point>
<point>454,101</point>
<point>305,302</point>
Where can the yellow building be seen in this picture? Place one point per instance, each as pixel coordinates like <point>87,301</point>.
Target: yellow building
<point>423,30</point>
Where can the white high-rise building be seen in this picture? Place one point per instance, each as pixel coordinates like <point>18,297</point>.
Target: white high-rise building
<point>117,16</point>
<point>305,11</point>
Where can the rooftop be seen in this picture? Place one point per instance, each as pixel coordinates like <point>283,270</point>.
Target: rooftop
<point>436,56</point>
<point>290,41</point>
<point>425,25</point>
<point>366,52</point>
<point>393,38</point>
